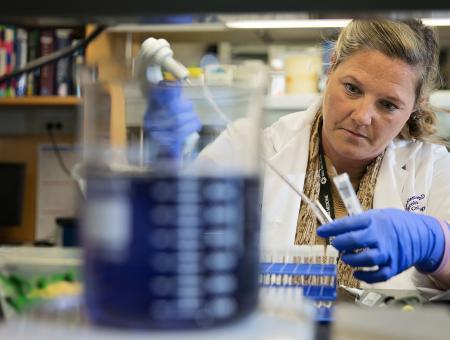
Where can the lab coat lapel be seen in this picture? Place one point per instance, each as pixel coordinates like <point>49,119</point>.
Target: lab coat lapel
<point>391,178</point>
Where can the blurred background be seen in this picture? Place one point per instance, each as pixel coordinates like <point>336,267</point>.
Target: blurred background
<point>292,40</point>
<point>44,112</point>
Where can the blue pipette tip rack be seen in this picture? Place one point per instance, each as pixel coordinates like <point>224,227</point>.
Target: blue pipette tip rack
<point>321,290</point>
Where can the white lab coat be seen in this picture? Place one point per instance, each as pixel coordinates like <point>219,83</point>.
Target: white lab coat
<point>412,174</point>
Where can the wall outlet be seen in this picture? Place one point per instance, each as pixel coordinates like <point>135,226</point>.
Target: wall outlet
<point>54,125</point>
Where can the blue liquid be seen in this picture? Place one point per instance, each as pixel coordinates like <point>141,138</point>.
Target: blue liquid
<point>191,255</point>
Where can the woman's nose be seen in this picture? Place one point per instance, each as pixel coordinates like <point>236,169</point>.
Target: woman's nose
<point>363,112</point>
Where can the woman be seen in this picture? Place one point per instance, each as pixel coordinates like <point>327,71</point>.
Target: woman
<point>374,123</point>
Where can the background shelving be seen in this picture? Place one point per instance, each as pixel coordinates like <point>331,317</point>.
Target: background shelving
<point>40,101</point>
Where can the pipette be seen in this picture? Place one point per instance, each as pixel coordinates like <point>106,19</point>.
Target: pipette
<point>315,206</point>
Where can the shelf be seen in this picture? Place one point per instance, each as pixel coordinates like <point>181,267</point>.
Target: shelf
<point>40,101</point>
<point>296,102</point>
<point>218,32</point>
<point>214,32</point>
<point>284,102</point>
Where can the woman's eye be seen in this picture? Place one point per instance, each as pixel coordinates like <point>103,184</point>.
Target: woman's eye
<point>352,89</point>
<point>388,105</point>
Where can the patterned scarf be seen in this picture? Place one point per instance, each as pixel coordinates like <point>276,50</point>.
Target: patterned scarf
<point>307,223</point>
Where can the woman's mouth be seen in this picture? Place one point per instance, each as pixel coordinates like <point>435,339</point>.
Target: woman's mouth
<point>354,134</point>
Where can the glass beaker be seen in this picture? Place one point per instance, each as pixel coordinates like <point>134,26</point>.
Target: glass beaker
<point>171,216</point>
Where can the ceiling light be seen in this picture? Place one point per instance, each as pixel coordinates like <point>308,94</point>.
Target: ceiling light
<point>312,23</point>
<point>436,21</point>
<point>299,23</point>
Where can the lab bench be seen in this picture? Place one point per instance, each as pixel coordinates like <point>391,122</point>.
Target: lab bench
<point>65,319</point>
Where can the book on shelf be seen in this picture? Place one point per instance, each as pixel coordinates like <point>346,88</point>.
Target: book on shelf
<point>47,80</point>
<point>77,62</point>
<point>63,69</point>
<point>2,59</point>
<point>8,45</point>
<point>21,48</point>
<point>33,53</point>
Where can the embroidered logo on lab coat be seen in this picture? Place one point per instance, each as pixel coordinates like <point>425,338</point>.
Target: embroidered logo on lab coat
<point>413,203</point>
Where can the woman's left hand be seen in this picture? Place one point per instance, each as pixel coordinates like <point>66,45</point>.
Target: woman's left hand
<point>391,239</point>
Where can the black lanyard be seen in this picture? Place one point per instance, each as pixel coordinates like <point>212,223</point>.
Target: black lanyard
<point>325,196</point>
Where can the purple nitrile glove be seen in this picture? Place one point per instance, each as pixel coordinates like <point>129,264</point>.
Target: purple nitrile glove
<point>391,239</point>
<point>170,118</point>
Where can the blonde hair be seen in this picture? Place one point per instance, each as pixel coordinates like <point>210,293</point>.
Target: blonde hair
<point>411,42</point>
